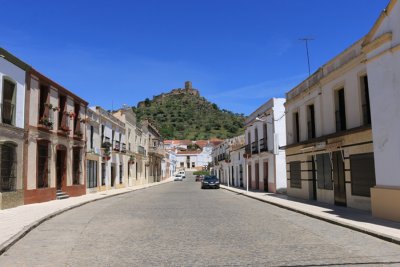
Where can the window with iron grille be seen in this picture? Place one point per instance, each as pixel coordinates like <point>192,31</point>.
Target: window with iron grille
<point>362,174</point>
<point>295,174</point>
<point>8,171</point>
<point>324,171</point>
<point>76,165</point>
<point>8,103</point>
<point>91,173</point>
<point>43,164</point>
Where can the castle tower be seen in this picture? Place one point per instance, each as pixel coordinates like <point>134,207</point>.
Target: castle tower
<point>188,85</point>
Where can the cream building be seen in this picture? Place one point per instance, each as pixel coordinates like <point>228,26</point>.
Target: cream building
<point>12,136</point>
<point>55,145</point>
<point>330,152</point>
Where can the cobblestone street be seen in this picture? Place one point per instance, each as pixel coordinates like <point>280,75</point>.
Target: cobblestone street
<point>178,224</point>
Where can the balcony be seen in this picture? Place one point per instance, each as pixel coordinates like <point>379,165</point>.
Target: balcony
<point>141,150</point>
<point>123,148</point>
<point>254,147</point>
<point>157,150</point>
<point>7,112</point>
<point>264,145</point>
<point>117,146</point>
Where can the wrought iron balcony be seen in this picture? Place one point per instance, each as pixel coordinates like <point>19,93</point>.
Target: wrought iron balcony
<point>254,147</point>
<point>117,146</point>
<point>7,112</point>
<point>263,145</point>
<point>123,148</point>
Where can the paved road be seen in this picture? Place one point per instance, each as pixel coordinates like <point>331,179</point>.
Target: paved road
<point>178,224</point>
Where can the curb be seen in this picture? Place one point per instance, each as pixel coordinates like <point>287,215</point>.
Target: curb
<point>384,237</point>
<point>18,236</point>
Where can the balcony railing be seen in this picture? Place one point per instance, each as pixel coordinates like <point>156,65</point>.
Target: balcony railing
<point>7,112</point>
<point>117,146</point>
<point>263,145</point>
<point>141,150</point>
<point>254,147</point>
<point>123,148</point>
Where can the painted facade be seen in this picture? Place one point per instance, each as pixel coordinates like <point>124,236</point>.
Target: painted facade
<point>382,48</point>
<point>12,136</point>
<point>265,134</point>
<point>329,133</point>
<point>55,147</point>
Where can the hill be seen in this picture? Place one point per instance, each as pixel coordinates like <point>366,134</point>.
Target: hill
<point>184,114</point>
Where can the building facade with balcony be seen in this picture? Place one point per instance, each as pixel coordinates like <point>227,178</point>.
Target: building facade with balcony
<point>12,134</point>
<point>93,151</point>
<point>382,48</point>
<point>156,152</point>
<point>265,133</point>
<point>56,138</point>
<point>330,150</point>
<point>134,161</point>
<point>113,156</point>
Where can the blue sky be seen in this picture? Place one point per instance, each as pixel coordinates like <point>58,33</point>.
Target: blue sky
<point>238,53</point>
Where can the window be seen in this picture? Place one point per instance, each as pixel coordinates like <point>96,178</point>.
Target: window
<point>103,174</point>
<point>43,164</point>
<point>102,134</point>
<point>264,141</point>
<point>311,121</point>
<point>63,116</point>
<point>8,103</point>
<point>193,165</point>
<point>76,166</point>
<point>324,171</point>
<point>362,174</point>
<point>77,122</point>
<point>295,174</point>
<point>8,171</point>
<point>340,112</point>
<point>296,128</point>
<point>121,171</point>
<point>366,109</point>
<point>91,173</point>
<point>182,165</point>
<point>91,136</point>
<point>44,110</point>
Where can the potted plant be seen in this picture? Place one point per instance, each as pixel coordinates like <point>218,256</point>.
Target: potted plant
<point>46,122</point>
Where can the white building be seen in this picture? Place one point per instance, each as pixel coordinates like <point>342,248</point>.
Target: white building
<point>12,106</point>
<point>265,133</point>
<point>382,48</point>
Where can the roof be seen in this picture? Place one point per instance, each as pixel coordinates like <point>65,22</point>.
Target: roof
<point>13,59</point>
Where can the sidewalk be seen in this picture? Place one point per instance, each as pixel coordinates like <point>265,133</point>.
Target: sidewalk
<point>16,222</point>
<point>355,219</point>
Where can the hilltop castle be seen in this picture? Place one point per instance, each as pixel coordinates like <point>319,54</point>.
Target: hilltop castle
<point>188,90</point>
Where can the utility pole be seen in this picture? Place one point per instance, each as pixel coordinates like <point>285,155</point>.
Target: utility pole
<point>306,39</point>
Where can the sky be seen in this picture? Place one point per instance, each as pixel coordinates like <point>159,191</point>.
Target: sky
<point>237,53</point>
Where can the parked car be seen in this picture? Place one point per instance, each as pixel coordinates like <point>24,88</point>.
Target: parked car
<point>178,177</point>
<point>210,182</point>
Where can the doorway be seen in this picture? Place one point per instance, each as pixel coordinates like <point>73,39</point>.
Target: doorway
<point>257,176</point>
<point>112,175</point>
<point>61,167</point>
<point>266,176</point>
<point>339,185</point>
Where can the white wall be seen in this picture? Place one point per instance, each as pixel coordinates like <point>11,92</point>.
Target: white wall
<point>384,83</point>
<point>17,75</point>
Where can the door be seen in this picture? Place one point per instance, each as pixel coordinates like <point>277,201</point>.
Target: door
<point>266,176</point>
<point>339,185</point>
<point>257,174</point>
<point>112,175</point>
<point>314,179</point>
<point>60,168</point>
